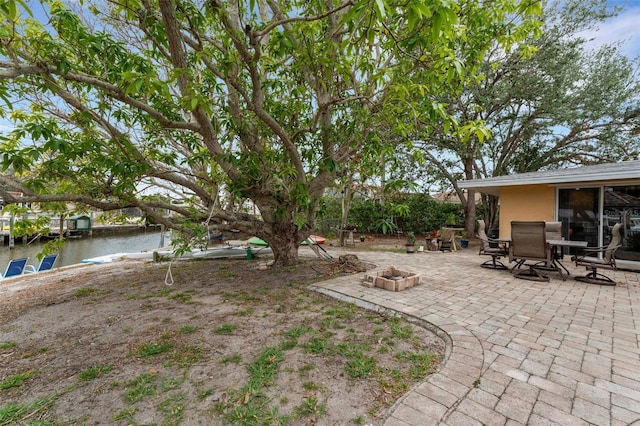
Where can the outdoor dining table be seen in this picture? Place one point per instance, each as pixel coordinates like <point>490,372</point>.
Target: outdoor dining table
<point>456,232</point>
<point>555,244</point>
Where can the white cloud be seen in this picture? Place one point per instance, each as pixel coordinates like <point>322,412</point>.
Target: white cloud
<point>623,28</point>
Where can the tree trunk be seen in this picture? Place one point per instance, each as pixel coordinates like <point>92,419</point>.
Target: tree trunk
<point>285,252</point>
<point>346,206</point>
<point>490,204</point>
<point>284,240</point>
<point>470,214</point>
<point>470,203</point>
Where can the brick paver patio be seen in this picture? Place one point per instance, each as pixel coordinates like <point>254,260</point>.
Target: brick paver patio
<point>518,352</point>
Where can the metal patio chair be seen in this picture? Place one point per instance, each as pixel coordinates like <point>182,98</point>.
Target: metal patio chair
<point>593,258</point>
<point>491,247</point>
<point>529,243</point>
<point>45,264</point>
<point>15,267</point>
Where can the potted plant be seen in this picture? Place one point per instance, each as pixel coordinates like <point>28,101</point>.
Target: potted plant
<point>464,241</point>
<point>411,242</point>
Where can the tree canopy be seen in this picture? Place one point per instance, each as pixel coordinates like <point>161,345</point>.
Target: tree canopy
<point>566,104</point>
<point>139,103</point>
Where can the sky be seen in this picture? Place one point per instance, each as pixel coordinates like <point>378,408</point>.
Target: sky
<point>625,28</point>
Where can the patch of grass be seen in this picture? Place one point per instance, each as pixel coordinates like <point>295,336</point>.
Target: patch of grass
<point>288,344</point>
<point>331,323</point>
<point>19,414</point>
<point>305,369</point>
<point>389,341</point>
<point>241,297</point>
<point>316,345</point>
<point>313,387</point>
<point>360,366</point>
<point>400,330</point>
<point>88,291</point>
<point>133,297</point>
<point>205,393</point>
<point>141,386</point>
<point>346,312</point>
<point>395,383</point>
<point>421,364</point>
<point>311,407</point>
<point>248,406</point>
<point>359,421</point>
<point>188,329</point>
<point>234,359</point>
<point>383,349</point>
<point>171,383</point>
<point>172,409</point>
<point>186,355</point>
<point>182,298</point>
<point>127,414</point>
<point>351,349</point>
<point>33,353</point>
<point>245,312</point>
<point>291,337</point>
<point>7,345</point>
<point>264,368</point>
<point>17,380</point>
<point>225,329</point>
<point>296,332</point>
<point>253,414</point>
<point>94,372</point>
<point>153,349</point>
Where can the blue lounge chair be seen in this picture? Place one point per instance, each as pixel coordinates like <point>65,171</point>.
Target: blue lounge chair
<point>45,264</point>
<point>15,267</point>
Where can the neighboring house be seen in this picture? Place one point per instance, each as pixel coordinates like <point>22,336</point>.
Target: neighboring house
<point>587,200</point>
<point>452,197</point>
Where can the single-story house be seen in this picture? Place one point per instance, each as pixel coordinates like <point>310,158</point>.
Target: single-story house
<point>587,200</point>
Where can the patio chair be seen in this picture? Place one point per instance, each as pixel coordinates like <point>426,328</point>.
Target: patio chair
<point>529,243</point>
<point>45,264</point>
<point>447,236</point>
<point>491,247</point>
<point>15,267</point>
<point>600,257</point>
<point>553,231</point>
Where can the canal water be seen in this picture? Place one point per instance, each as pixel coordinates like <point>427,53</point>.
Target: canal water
<point>77,249</point>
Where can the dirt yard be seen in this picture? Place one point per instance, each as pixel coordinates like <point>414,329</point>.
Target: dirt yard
<point>225,344</point>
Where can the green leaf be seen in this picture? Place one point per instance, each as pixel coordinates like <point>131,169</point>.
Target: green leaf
<point>381,9</point>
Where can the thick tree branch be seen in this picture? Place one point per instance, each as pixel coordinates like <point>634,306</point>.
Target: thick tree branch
<point>11,71</point>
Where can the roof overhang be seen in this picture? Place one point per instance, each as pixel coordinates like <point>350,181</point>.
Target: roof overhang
<point>627,172</point>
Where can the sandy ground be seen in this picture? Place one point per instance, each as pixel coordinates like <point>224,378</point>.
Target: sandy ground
<point>225,344</point>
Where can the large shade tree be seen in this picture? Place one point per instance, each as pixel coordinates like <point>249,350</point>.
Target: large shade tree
<point>567,104</point>
<point>222,102</point>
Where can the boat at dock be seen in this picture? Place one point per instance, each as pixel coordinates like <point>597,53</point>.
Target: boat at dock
<point>227,251</point>
<point>315,239</point>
